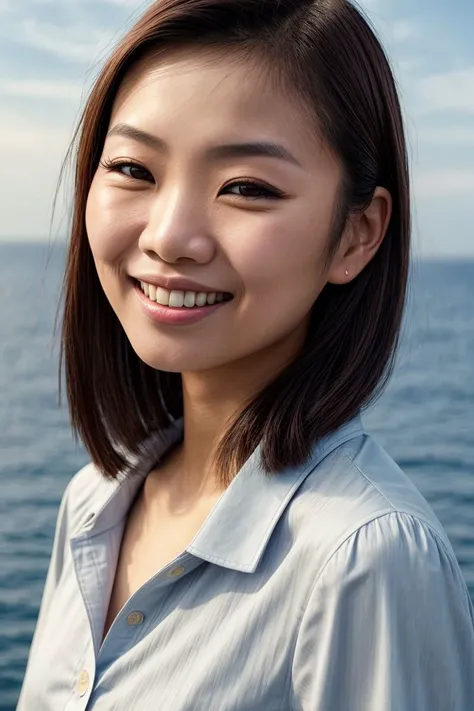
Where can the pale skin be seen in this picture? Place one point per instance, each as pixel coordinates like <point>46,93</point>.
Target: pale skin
<point>182,215</point>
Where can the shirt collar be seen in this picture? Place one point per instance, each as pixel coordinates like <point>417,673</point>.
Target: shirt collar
<point>237,530</point>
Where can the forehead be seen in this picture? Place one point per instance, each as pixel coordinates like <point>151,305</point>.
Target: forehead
<point>208,77</point>
<point>211,93</point>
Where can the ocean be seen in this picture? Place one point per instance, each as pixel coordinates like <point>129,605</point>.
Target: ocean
<point>425,420</point>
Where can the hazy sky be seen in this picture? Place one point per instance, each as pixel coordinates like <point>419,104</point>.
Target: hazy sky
<point>50,51</point>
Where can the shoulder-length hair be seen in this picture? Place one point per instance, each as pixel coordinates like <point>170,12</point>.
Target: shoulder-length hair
<point>325,55</point>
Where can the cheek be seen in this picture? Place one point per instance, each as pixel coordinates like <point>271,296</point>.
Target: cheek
<point>112,227</point>
<point>281,262</point>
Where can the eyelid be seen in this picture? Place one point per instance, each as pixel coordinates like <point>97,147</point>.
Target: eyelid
<point>272,192</point>
<point>118,161</point>
<point>110,164</point>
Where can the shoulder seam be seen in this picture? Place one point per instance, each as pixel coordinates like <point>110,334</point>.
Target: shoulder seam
<point>396,509</point>
<point>369,480</point>
<point>383,514</point>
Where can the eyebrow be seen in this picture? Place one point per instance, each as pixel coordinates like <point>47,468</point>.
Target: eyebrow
<point>267,149</point>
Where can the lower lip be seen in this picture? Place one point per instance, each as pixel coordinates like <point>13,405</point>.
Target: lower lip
<point>177,316</point>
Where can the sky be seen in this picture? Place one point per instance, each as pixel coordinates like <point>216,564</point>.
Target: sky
<point>51,51</point>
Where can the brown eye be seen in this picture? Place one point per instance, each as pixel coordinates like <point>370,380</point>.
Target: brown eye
<point>131,170</point>
<point>136,172</point>
<point>251,190</point>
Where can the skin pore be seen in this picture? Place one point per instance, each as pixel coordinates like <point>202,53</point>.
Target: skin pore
<point>179,212</point>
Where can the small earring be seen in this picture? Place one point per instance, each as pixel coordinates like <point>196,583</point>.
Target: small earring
<point>346,273</point>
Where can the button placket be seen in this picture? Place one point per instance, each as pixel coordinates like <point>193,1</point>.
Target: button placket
<point>135,618</point>
<point>83,683</point>
<point>131,625</point>
<point>176,572</point>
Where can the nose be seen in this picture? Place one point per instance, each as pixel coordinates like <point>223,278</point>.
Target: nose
<point>177,230</point>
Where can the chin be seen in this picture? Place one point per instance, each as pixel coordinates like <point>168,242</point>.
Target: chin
<point>174,358</point>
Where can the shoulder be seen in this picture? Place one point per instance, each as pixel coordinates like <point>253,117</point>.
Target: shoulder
<point>394,573</point>
<point>394,550</point>
<point>357,484</point>
<point>86,493</point>
<point>389,606</point>
<point>89,492</point>
<point>393,583</point>
<point>357,507</point>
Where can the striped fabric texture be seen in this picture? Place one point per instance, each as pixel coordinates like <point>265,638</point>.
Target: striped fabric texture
<point>327,587</point>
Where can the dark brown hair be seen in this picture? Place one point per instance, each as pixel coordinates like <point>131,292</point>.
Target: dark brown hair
<point>326,56</point>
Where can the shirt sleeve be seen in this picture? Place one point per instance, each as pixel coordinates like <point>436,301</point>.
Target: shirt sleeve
<point>52,579</point>
<point>389,625</point>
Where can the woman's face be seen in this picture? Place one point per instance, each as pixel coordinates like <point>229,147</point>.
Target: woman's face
<point>170,202</point>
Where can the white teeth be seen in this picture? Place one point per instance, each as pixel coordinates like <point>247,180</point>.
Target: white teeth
<point>162,296</point>
<point>189,298</point>
<point>178,299</point>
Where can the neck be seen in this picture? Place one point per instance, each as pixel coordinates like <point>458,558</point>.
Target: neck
<point>210,402</point>
<point>211,399</point>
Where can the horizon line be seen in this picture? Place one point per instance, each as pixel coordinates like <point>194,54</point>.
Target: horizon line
<point>62,242</point>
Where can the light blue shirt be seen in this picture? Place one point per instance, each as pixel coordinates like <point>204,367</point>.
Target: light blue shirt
<point>328,587</point>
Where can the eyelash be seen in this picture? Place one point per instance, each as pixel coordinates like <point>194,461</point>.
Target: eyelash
<point>116,166</point>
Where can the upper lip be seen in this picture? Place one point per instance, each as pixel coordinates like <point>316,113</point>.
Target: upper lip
<point>177,284</point>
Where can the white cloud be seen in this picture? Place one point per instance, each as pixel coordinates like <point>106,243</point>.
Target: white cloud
<point>80,43</point>
<point>372,4</point>
<point>18,132</point>
<point>444,183</point>
<point>123,3</point>
<point>128,3</point>
<point>32,154</point>
<point>409,66</point>
<point>38,89</point>
<point>402,30</point>
<point>448,91</point>
<point>449,135</point>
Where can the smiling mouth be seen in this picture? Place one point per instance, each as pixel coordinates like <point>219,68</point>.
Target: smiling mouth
<point>181,299</point>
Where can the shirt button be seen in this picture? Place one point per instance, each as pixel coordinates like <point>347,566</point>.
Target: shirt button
<point>83,683</point>
<point>176,571</point>
<point>135,618</point>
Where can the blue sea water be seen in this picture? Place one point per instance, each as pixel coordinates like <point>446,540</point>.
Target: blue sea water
<point>425,419</point>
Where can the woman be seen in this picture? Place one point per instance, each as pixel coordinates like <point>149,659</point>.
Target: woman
<point>234,291</point>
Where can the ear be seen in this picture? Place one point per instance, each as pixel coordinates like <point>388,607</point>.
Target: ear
<point>362,237</point>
